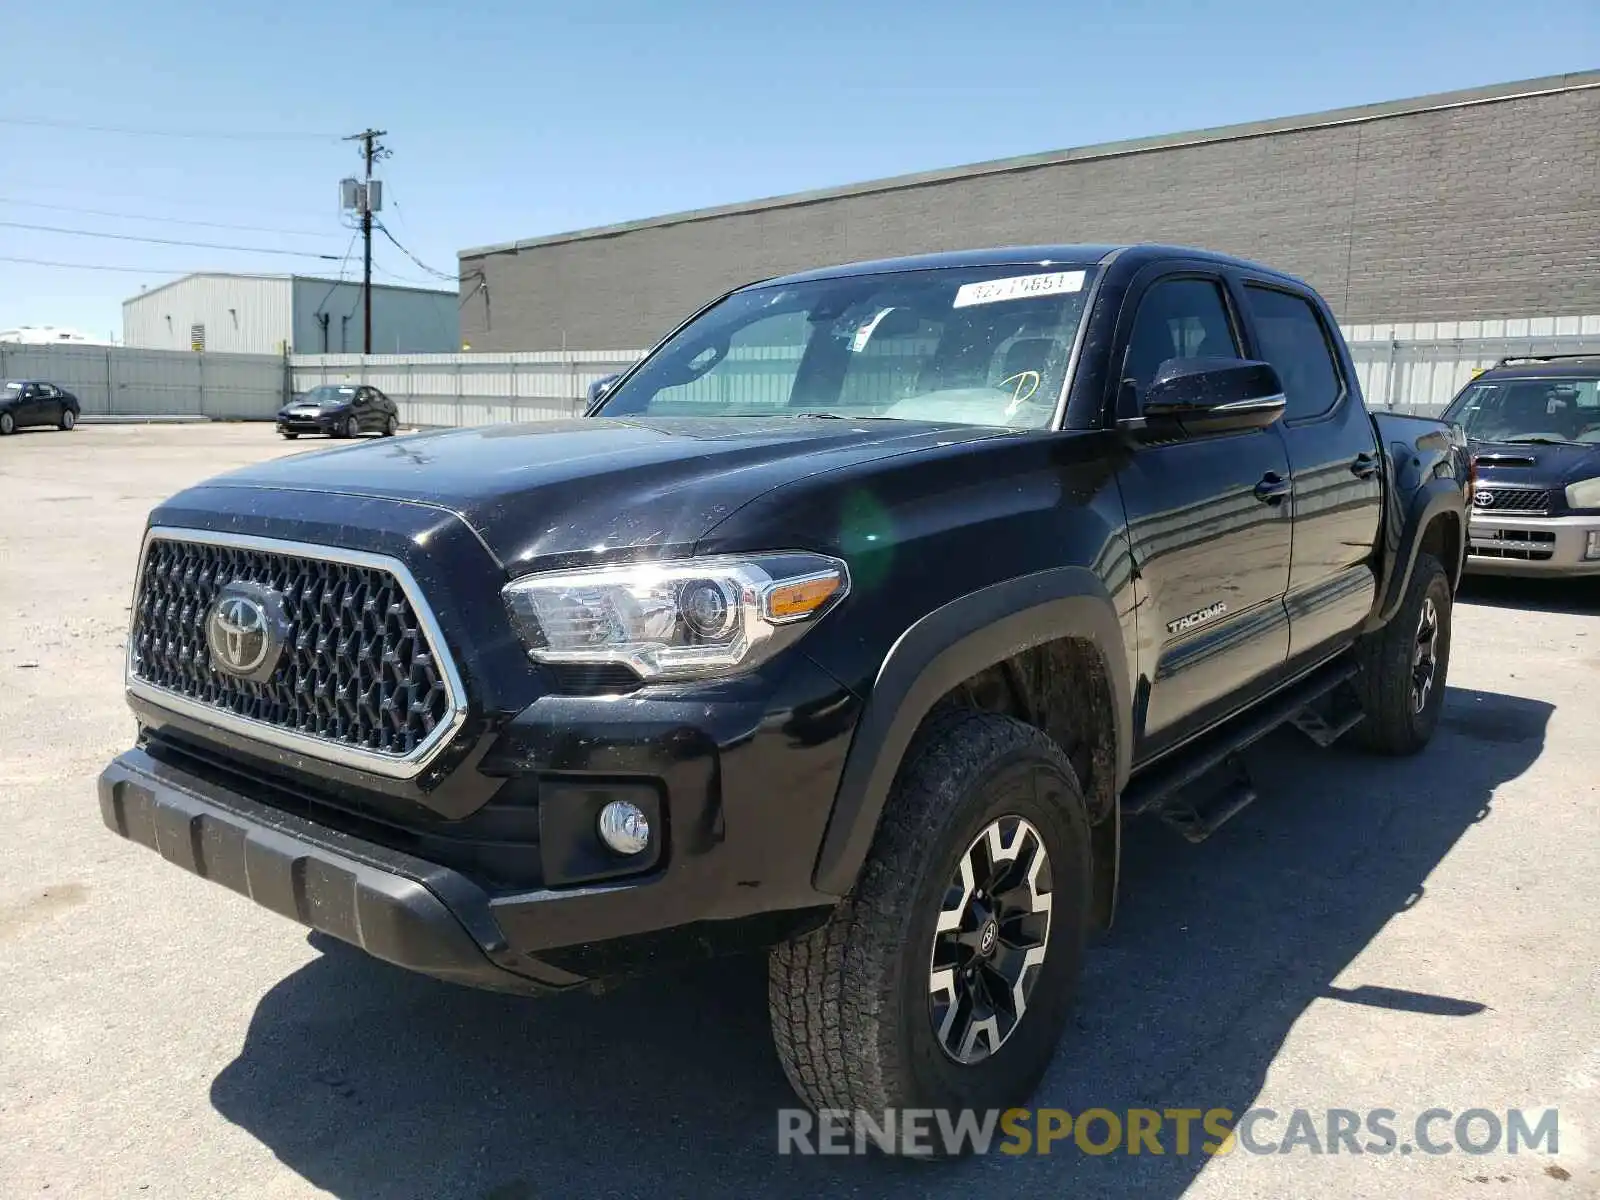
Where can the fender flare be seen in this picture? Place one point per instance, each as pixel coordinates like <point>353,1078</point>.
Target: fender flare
<point>948,645</point>
<point>1434,498</point>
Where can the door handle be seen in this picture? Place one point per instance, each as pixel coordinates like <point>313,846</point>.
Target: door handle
<point>1272,488</point>
<point>1365,465</point>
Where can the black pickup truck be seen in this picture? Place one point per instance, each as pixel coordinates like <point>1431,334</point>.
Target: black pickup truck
<point>849,624</point>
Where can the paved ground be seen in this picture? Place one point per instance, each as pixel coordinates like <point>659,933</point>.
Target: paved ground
<point>1370,934</point>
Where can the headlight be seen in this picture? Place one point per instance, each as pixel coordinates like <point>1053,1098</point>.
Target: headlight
<point>679,619</point>
<point>1584,494</point>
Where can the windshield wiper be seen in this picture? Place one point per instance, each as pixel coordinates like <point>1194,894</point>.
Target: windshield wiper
<point>828,416</point>
<point>1537,439</point>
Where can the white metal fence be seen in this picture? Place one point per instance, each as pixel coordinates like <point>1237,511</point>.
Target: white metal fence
<point>470,389</point>
<point>119,381</point>
<point>1408,368</point>
<point>1418,368</point>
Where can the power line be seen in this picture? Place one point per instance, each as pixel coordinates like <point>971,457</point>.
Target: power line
<point>225,135</point>
<point>319,313</point>
<point>45,262</point>
<point>344,266</point>
<point>130,237</point>
<point>430,270</point>
<point>103,212</point>
<point>414,280</point>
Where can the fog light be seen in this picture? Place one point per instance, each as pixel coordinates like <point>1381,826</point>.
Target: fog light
<point>624,827</point>
<point>1592,550</point>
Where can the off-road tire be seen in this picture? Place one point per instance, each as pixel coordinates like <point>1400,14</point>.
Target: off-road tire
<point>1387,682</point>
<point>849,1002</point>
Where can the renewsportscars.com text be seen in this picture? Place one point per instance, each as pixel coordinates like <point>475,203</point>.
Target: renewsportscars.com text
<point>1174,1131</point>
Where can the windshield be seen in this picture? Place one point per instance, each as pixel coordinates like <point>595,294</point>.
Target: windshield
<point>973,346</point>
<point>327,394</point>
<point>1564,409</point>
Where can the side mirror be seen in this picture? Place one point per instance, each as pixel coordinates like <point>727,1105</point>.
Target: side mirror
<point>599,388</point>
<point>1190,397</point>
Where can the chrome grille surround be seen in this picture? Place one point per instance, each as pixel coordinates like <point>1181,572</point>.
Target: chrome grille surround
<point>348,669</point>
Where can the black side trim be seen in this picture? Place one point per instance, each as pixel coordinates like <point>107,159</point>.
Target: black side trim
<point>949,645</point>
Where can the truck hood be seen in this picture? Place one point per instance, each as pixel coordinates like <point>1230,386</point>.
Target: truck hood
<point>536,491</point>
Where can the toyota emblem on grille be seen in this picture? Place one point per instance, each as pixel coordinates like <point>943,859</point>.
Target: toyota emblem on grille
<point>1483,499</point>
<point>245,630</point>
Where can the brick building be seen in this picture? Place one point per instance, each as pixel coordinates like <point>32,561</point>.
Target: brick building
<point>1460,206</point>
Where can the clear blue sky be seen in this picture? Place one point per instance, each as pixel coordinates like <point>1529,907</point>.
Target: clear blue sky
<point>511,120</point>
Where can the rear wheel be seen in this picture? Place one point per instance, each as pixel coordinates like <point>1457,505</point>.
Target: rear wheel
<point>8,424</point>
<point>1404,665</point>
<point>944,979</point>
<point>68,419</point>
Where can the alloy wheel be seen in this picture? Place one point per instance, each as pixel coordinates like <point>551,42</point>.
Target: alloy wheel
<point>990,940</point>
<point>1424,655</point>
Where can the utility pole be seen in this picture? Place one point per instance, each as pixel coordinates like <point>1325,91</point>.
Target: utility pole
<point>371,151</point>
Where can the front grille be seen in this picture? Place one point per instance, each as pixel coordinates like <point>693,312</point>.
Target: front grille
<point>357,671</point>
<point>1513,500</point>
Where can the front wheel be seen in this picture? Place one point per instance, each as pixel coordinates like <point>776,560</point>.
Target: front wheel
<point>352,427</point>
<point>391,426</point>
<point>1404,664</point>
<point>943,980</point>
<point>68,420</point>
<point>288,434</point>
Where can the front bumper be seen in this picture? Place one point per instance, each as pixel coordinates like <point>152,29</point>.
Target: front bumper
<point>739,782</point>
<point>323,423</point>
<point>398,908</point>
<point>1509,544</point>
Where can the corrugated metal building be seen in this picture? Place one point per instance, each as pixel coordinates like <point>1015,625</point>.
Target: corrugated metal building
<point>277,314</point>
<point>1480,204</point>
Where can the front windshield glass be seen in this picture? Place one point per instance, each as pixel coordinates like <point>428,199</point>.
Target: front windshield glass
<point>1564,409</point>
<point>327,394</point>
<point>972,346</point>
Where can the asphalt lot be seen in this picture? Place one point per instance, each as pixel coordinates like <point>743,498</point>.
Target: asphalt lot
<point>1401,934</point>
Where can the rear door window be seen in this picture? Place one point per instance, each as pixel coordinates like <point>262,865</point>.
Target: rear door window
<point>1294,341</point>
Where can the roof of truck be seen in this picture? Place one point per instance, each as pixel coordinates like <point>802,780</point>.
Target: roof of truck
<point>1029,256</point>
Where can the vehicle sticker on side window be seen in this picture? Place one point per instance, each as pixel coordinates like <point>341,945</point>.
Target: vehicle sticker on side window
<point>1018,287</point>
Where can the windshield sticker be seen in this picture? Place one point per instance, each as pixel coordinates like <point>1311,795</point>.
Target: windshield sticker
<point>1018,287</point>
<point>864,334</point>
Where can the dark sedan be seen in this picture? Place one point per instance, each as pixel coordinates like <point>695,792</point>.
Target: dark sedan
<point>340,410</point>
<point>25,402</point>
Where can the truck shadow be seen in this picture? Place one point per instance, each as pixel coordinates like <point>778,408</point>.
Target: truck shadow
<point>1576,596</point>
<point>371,1083</point>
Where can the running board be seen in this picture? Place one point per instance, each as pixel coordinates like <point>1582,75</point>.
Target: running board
<point>1198,818</point>
<point>1159,783</point>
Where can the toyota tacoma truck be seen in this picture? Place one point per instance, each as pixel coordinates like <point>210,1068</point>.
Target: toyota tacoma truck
<point>848,625</point>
